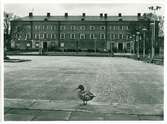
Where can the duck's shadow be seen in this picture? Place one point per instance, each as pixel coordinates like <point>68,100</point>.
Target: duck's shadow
<point>88,107</point>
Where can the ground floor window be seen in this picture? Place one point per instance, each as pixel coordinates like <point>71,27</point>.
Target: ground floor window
<point>82,36</point>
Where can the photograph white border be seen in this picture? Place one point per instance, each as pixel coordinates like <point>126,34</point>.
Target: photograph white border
<point>79,1</point>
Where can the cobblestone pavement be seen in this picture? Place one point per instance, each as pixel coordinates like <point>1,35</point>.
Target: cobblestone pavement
<point>46,110</point>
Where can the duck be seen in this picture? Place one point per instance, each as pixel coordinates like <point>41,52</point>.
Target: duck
<point>84,95</point>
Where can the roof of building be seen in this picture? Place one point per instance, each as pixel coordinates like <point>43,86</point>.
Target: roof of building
<point>79,18</point>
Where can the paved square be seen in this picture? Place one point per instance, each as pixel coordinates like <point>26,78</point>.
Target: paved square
<point>114,80</point>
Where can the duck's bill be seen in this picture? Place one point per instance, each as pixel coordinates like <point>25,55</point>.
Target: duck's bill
<point>76,88</point>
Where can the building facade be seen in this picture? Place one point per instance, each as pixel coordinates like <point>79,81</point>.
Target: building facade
<point>101,33</point>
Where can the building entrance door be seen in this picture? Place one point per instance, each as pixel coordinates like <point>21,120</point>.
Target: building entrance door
<point>45,46</point>
<point>120,47</point>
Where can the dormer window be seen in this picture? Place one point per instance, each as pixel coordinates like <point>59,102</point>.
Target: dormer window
<point>82,27</point>
<point>102,27</point>
<point>62,27</point>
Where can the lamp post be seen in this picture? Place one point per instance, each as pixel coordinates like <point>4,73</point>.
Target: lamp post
<point>131,42</point>
<point>144,41</point>
<point>154,9</point>
<point>95,44</point>
<point>133,37</point>
<point>137,40</point>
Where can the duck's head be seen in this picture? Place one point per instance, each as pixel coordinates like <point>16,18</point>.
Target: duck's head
<point>81,87</point>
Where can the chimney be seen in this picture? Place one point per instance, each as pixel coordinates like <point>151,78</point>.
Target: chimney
<point>105,15</point>
<point>138,14</point>
<point>66,14</point>
<point>83,14</point>
<point>120,15</point>
<point>101,15</point>
<point>30,14</point>
<point>48,14</point>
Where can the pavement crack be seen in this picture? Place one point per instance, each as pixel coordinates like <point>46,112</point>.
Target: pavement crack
<point>35,116</point>
<point>68,116</point>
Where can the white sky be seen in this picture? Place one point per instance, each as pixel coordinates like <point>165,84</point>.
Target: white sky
<point>78,8</point>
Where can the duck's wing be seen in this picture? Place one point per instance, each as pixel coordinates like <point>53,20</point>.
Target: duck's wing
<point>89,94</point>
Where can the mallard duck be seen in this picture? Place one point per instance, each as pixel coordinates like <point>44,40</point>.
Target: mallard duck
<point>84,95</point>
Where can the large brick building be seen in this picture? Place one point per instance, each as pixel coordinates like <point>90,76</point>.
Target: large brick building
<point>82,33</point>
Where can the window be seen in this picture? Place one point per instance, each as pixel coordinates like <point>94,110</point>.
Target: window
<point>51,36</point>
<point>28,36</point>
<point>35,36</point>
<point>111,27</point>
<point>43,27</point>
<point>114,28</point>
<point>128,45</point>
<point>51,27</point>
<point>25,37</point>
<point>116,36</point>
<point>36,27</point>
<point>120,27</point>
<point>125,27</point>
<point>102,27</point>
<point>54,27</point>
<point>82,27</point>
<point>39,27</point>
<point>28,27</point>
<point>92,36</point>
<point>92,27</point>
<point>112,36</point>
<point>102,36</point>
<point>62,27</point>
<point>120,36</point>
<point>41,36</point>
<point>16,36</point>
<point>46,36</point>
<point>127,37</point>
<point>124,36</point>
<point>47,27</point>
<point>72,36</point>
<point>54,36</point>
<point>19,36</point>
<point>37,44</point>
<point>82,36</point>
<point>73,27</point>
<point>62,36</point>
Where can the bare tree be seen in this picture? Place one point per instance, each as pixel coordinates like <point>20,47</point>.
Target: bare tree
<point>7,31</point>
<point>8,17</point>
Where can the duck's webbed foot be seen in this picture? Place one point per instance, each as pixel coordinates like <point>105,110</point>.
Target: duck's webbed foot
<point>84,102</point>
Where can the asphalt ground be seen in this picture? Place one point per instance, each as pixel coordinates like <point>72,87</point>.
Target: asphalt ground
<point>114,80</point>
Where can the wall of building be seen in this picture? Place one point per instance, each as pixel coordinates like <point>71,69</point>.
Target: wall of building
<point>76,35</point>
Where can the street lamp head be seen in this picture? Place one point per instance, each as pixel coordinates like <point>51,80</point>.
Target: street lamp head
<point>151,8</point>
<point>152,24</point>
<point>154,7</point>
<point>137,32</point>
<point>144,29</point>
<point>158,7</point>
